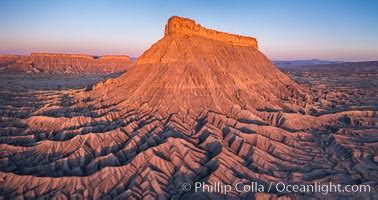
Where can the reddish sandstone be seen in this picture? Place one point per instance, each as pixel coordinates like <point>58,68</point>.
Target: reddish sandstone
<point>64,63</point>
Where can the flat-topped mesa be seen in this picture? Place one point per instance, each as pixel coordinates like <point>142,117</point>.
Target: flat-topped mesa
<point>62,55</point>
<point>115,57</point>
<point>185,26</point>
<point>65,63</point>
<point>80,56</point>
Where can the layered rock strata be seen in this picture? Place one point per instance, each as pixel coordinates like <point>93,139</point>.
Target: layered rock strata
<point>64,63</point>
<point>179,25</point>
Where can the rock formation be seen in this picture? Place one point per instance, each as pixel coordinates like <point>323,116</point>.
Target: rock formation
<point>185,26</point>
<point>193,68</point>
<point>64,63</point>
<point>199,106</point>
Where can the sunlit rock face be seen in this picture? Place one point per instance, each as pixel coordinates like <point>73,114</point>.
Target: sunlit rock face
<point>194,69</point>
<point>185,26</point>
<point>64,63</point>
<point>198,106</point>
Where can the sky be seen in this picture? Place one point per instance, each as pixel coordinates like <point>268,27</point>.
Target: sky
<point>285,29</point>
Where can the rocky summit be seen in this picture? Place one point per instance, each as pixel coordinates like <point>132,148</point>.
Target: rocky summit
<point>199,106</point>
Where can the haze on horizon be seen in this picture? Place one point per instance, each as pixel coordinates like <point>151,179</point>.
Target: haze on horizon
<point>285,30</point>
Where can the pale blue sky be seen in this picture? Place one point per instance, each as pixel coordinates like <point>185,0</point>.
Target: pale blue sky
<point>285,29</point>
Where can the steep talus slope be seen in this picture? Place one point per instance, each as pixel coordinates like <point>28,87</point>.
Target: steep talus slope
<point>186,70</point>
<point>199,106</point>
<point>64,63</point>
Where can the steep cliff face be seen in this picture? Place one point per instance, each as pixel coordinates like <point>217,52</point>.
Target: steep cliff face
<point>8,63</point>
<point>64,63</point>
<point>185,26</point>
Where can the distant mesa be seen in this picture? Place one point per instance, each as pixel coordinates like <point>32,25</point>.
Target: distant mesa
<point>83,56</point>
<point>303,63</point>
<point>57,63</point>
<point>115,57</point>
<point>61,55</point>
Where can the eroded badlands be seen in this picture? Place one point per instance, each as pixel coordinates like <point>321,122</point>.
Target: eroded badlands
<point>195,108</point>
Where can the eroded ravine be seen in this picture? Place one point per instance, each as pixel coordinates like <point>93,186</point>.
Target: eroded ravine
<point>179,117</point>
